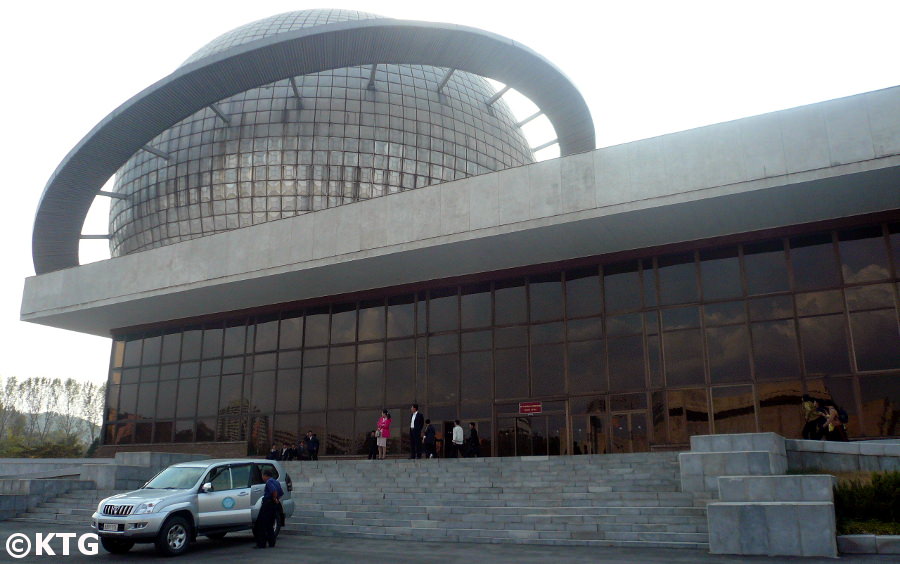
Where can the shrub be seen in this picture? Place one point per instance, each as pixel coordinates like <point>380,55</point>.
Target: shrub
<point>877,499</point>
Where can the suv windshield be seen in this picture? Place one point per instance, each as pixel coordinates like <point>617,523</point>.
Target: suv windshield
<point>176,478</point>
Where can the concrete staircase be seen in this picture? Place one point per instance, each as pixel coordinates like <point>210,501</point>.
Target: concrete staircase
<point>72,508</point>
<point>600,500</point>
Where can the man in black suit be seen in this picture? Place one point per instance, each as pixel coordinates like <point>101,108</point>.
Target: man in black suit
<point>415,432</point>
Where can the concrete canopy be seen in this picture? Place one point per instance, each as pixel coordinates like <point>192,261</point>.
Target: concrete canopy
<point>71,189</point>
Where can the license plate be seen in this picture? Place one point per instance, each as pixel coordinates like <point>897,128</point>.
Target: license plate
<point>110,527</point>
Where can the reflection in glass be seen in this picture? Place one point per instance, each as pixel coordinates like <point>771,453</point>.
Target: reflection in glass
<point>880,398</point>
<point>545,294</point>
<point>683,351</point>
<point>312,396</point>
<point>476,376</point>
<point>266,333</point>
<point>870,297</point>
<point>151,350</point>
<point>734,409</point>
<point>547,370</point>
<point>586,367</point>
<point>212,342</point>
<point>371,320</point>
<point>688,414</point>
<point>813,303</point>
<point>582,293</point>
<point>509,302</point>
<point>720,274</point>
<point>443,310</point>
<point>775,350</point>
<point>824,345</point>
<point>341,386</point>
<point>234,339</point>
<point>814,262</point>
<point>680,318</point>
<point>208,399</point>
<point>400,381</point>
<point>728,349</point>
<point>863,254</point>
<point>876,341</point>
<point>287,396</point>
<point>626,363</point>
<point>765,267</point>
<point>511,373</point>
<point>677,279</point>
<point>290,336</point>
<point>779,410</point>
<point>186,405</point>
<point>776,307</point>
<point>370,384</point>
<point>724,313</point>
<point>133,353</point>
<point>443,378</point>
<point>400,316</point>
<point>339,440</point>
<point>476,306</point>
<point>621,287</point>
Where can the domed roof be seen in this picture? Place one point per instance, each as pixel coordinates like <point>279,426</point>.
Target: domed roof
<point>273,25</point>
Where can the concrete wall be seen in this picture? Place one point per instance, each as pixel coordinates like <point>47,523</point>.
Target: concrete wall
<point>829,160</point>
<point>24,467</point>
<point>236,449</point>
<point>842,457</point>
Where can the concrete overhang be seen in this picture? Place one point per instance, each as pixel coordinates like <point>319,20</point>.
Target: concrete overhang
<point>821,162</point>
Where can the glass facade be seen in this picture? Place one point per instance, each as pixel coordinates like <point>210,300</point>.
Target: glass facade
<point>308,143</point>
<point>624,356</point>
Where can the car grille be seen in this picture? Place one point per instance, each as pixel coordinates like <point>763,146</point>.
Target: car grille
<point>118,509</point>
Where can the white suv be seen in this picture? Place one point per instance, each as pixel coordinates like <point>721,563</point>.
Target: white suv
<point>204,497</point>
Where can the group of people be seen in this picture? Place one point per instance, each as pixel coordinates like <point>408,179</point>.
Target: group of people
<point>306,449</point>
<point>823,420</point>
<point>422,438</point>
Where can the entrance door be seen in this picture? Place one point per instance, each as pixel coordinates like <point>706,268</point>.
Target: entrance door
<point>589,434</point>
<point>531,435</point>
<point>629,432</point>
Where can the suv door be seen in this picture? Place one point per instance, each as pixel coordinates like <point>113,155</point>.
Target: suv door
<point>258,486</point>
<point>227,504</point>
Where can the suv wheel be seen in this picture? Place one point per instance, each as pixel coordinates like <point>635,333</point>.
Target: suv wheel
<point>174,536</point>
<point>116,546</point>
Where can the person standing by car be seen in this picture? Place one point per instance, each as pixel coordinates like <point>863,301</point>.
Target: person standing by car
<point>263,529</point>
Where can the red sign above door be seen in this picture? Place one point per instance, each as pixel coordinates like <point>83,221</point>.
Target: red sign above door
<point>530,407</point>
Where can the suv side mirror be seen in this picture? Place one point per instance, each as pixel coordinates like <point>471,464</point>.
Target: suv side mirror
<point>206,488</point>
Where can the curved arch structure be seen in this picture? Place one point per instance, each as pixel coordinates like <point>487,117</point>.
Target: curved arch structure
<point>73,186</point>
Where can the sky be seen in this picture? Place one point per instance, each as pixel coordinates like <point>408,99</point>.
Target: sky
<point>645,68</point>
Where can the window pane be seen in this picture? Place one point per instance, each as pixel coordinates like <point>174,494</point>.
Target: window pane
<point>775,350</point>
<point>339,440</point>
<point>287,395</point>
<point>586,367</point>
<point>547,333</point>
<point>146,405</point>
<point>400,316</point>
<point>546,296</point>
<point>547,370</point>
<point>266,333</point>
<point>511,373</point>
<point>734,410</point>
<point>765,267</point>
<point>683,353</point>
<point>864,255</point>
<point>814,303</point>
<point>291,335</point>
<point>212,342</point>
<point>443,312</point>
<point>371,320</point>
<point>824,345</point>
<point>171,348</point>
<point>208,400</point>
<point>476,376</point>
<point>724,313</point>
<point>187,398</point>
<point>184,431</point>
<point>779,410</point>
<point>677,279</point>
<point>509,302</point>
<point>341,386</point>
<point>312,392</point>
<point>133,353</point>
<point>688,414</point>
<point>875,339</point>
<point>880,395</point>
<point>317,329</point>
<point>234,340</point>
<point>680,318</point>
<point>626,364</point>
<point>370,384</point>
<point>870,297</point>
<point>720,274</point>
<point>583,329</point>
<point>629,324</point>
<point>776,307</point>
<point>729,354</point>
<point>151,350</point>
<point>814,262</point>
<point>649,276</point>
<point>476,306</point>
<point>622,287</point>
<point>343,323</point>
<point>443,378</point>
<point>582,293</point>
<point>230,395</point>
<point>401,381</point>
<point>285,431</point>
<point>477,341</point>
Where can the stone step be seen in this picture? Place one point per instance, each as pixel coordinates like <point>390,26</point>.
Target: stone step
<point>464,534</point>
<point>510,515</point>
<point>647,511</point>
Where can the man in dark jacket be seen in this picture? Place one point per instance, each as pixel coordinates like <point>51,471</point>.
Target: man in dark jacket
<point>472,441</point>
<point>264,528</point>
<point>429,440</point>
<point>312,445</point>
<point>416,423</point>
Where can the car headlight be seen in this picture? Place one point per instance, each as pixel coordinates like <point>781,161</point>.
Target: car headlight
<point>148,506</point>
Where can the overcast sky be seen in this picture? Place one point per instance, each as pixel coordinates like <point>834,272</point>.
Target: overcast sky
<point>645,69</point>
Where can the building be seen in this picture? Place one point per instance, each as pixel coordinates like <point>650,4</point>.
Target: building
<point>612,300</point>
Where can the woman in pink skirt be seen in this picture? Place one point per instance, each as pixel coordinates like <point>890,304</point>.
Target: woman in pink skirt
<point>383,433</point>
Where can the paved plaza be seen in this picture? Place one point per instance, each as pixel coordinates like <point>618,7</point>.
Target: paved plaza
<point>297,549</point>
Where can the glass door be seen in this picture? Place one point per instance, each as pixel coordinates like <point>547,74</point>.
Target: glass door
<point>589,434</point>
<point>629,432</point>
